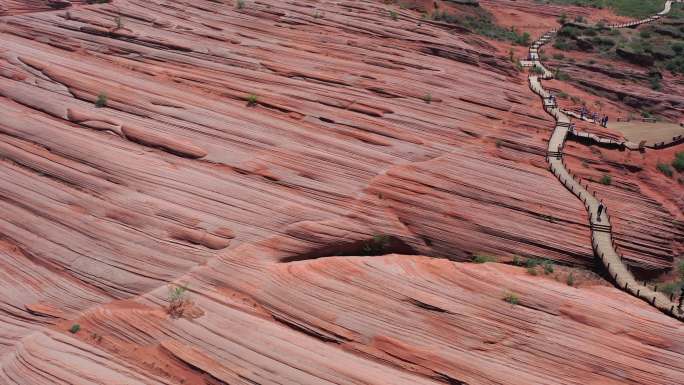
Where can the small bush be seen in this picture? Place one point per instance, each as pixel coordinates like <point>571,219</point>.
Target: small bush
<point>570,280</point>
<point>665,169</point>
<point>101,100</point>
<point>481,258</point>
<point>532,270</point>
<point>678,162</point>
<point>427,98</point>
<point>75,328</point>
<point>240,4</point>
<point>524,39</point>
<point>548,267</point>
<point>671,288</point>
<point>376,246</point>
<point>655,83</point>
<point>606,179</point>
<point>517,261</point>
<point>252,100</point>
<point>512,298</point>
<point>393,15</point>
<point>531,262</point>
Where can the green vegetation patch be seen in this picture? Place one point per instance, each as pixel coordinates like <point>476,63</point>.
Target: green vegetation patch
<point>481,22</point>
<point>631,8</point>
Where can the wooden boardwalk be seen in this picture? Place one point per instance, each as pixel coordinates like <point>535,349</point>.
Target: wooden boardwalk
<point>601,228</point>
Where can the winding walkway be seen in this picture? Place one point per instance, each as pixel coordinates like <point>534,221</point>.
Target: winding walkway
<point>601,229</point>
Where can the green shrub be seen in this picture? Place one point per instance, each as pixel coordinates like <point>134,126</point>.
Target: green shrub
<point>482,23</point>
<point>427,98</point>
<point>606,179</point>
<point>524,39</point>
<point>481,258</point>
<point>570,280</point>
<point>240,4</point>
<point>671,288</point>
<point>101,100</point>
<point>376,246</point>
<point>678,162</point>
<point>655,83</point>
<point>678,47</point>
<point>665,169</point>
<point>393,15</point>
<point>532,270</point>
<point>512,298</point>
<point>75,328</point>
<point>532,262</point>
<point>517,261</point>
<point>252,100</point>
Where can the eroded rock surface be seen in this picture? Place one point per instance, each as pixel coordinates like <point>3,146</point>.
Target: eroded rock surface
<point>234,140</point>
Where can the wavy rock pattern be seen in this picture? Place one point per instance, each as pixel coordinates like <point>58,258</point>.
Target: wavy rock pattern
<point>176,179</point>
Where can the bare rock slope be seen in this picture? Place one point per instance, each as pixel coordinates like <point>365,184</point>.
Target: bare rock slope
<point>232,146</point>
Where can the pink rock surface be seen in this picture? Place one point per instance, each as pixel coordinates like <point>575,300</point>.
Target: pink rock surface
<point>178,180</point>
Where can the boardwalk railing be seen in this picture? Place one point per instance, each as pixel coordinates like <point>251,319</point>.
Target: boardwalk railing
<point>599,218</point>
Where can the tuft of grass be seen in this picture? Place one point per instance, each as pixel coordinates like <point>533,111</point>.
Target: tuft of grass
<point>240,4</point>
<point>393,15</point>
<point>606,179</point>
<point>102,100</point>
<point>75,328</point>
<point>177,293</point>
<point>481,258</point>
<point>512,298</point>
<point>517,261</point>
<point>532,270</point>
<point>427,98</point>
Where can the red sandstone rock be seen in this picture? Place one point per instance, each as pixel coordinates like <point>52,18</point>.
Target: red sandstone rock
<point>177,180</point>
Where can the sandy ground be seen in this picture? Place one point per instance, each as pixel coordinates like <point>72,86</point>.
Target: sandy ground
<point>650,132</point>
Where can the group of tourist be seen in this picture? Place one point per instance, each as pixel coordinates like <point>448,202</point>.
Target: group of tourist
<point>594,116</point>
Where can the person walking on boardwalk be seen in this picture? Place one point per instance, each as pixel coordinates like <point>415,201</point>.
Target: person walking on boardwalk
<point>605,121</point>
<point>599,211</point>
<point>594,117</point>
